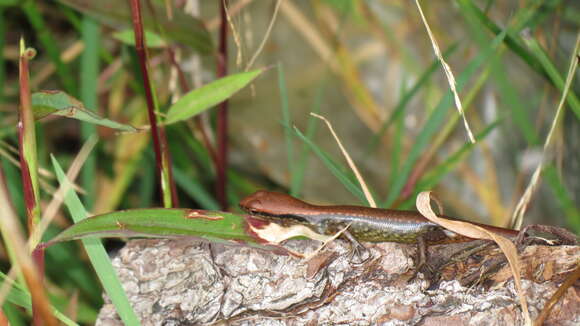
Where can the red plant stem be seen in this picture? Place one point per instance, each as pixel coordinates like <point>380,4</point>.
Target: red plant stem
<point>38,259</point>
<point>26,137</point>
<point>222,118</point>
<point>162,157</point>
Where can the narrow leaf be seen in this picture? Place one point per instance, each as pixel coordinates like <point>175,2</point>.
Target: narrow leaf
<point>98,255</point>
<point>335,168</point>
<point>209,95</point>
<point>160,222</point>
<point>60,103</point>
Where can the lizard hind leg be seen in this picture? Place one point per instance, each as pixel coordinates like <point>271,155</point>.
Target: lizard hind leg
<point>422,265</point>
<point>358,254</point>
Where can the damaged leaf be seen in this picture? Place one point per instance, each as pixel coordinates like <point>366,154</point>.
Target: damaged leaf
<point>212,226</point>
<point>60,103</point>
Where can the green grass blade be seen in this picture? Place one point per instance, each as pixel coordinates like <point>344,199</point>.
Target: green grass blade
<point>287,120</point>
<point>195,190</point>
<point>508,90</point>
<point>312,126</point>
<point>336,169</point>
<point>553,73</point>
<point>435,120</point>
<point>65,267</point>
<point>98,255</point>
<point>20,297</point>
<point>14,314</point>
<point>564,197</point>
<point>89,77</point>
<point>207,96</point>
<point>397,146</point>
<point>434,176</point>
<point>406,98</point>
<point>513,41</point>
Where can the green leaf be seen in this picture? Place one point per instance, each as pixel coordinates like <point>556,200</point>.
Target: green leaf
<point>209,95</point>
<point>181,27</point>
<point>60,103</point>
<point>127,36</point>
<point>160,222</point>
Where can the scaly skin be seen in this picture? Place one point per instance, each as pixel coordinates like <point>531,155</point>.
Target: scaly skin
<point>366,224</point>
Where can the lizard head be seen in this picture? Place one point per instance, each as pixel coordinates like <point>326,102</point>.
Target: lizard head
<point>275,205</point>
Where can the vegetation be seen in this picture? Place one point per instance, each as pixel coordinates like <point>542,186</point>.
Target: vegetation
<point>154,105</point>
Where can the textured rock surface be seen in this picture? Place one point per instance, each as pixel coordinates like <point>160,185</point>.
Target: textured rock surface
<point>181,282</point>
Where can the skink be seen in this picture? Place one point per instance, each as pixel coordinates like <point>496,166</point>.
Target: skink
<point>366,224</point>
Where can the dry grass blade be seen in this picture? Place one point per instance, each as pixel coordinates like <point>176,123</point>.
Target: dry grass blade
<point>14,239</point>
<point>266,36</point>
<point>353,167</point>
<point>448,73</point>
<point>58,198</point>
<point>477,232</point>
<point>52,208</point>
<point>233,10</point>
<point>235,33</point>
<point>518,215</point>
<point>45,186</point>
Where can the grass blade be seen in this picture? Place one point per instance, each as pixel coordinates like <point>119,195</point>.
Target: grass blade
<point>553,73</point>
<point>406,98</point>
<point>20,297</point>
<point>564,197</point>
<point>89,87</point>
<point>435,119</point>
<point>287,121</point>
<point>302,160</point>
<point>98,256</point>
<point>336,169</point>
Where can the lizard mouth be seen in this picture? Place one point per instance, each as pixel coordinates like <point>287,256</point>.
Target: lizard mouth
<point>284,219</point>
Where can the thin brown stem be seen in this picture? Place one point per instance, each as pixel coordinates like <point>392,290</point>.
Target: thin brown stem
<point>162,157</point>
<point>27,140</point>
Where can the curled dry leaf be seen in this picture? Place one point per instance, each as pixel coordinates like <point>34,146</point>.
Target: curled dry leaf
<point>477,232</point>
